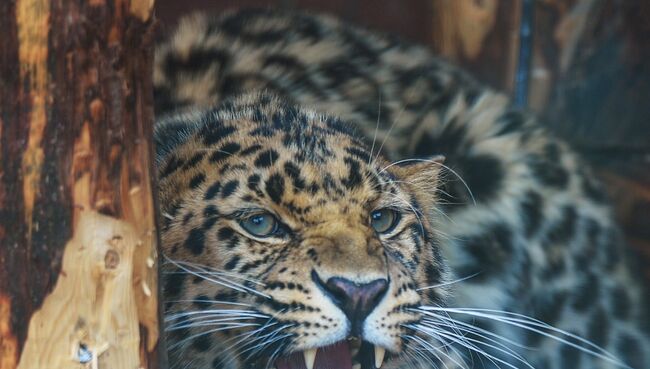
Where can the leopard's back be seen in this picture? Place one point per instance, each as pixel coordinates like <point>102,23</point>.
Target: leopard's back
<point>521,216</point>
<point>317,62</point>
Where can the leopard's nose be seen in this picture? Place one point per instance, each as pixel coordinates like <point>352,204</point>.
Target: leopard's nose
<point>356,300</point>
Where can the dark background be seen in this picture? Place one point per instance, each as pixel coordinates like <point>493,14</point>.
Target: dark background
<point>589,75</point>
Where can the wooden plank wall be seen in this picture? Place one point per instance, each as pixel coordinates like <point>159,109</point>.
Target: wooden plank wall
<point>589,76</point>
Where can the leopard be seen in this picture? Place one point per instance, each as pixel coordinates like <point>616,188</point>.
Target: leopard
<point>337,197</point>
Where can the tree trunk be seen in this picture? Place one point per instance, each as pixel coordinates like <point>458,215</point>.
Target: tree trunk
<point>78,267</point>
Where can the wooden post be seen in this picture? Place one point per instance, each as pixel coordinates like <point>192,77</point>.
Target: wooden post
<point>481,36</point>
<point>78,267</point>
<point>460,26</point>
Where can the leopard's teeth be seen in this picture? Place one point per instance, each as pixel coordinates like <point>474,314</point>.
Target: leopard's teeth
<point>379,356</point>
<point>310,357</point>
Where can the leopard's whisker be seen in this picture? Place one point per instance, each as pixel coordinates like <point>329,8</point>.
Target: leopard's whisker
<point>390,129</point>
<point>438,163</point>
<point>532,325</point>
<point>452,324</point>
<point>461,341</point>
<point>498,346</point>
<point>254,333</point>
<point>494,344</point>
<point>443,348</point>
<point>468,344</point>
<point>445,343</point>
<point>197,320</point>
<point>189,364</point>
<point>448,283</point>
<point>231,322</point>
<point>212,302</point>
<point>522,319</point>
<point>413,354</point>
<point>266,340</point>
<point>221,281</point>
<point>211,317</point>
<point>422,354</point>
<point>239,337</point>
<point>245,335</point>
<point>230,275</point>
<point>260,346</point>
<point>213,278</point>
<point>374,138</point>
<point>430,346</point>
<point>436,190</point>
<point>275,354</point>
<point>215,311</point>
<point>213,271</point>
<point>460,325</point>
<point>225,328</point>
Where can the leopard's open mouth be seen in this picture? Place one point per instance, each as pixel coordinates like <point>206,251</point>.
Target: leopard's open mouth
<point>348,354</point>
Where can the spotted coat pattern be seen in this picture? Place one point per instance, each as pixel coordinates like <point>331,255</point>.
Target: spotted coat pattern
<point>312,120</point>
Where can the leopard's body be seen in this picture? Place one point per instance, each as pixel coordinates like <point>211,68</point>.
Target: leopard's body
<point>513,213</point>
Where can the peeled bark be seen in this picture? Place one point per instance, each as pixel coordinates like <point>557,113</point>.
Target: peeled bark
<point>78,266</point>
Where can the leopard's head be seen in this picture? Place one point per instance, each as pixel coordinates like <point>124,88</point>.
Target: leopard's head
<point>289,242</point>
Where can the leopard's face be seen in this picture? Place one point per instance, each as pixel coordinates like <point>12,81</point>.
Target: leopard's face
<point>284,234</point>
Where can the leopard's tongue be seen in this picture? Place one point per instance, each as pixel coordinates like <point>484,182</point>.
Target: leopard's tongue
<point>334,356</point>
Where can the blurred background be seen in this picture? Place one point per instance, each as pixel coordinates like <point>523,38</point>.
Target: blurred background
<point>583,65</point>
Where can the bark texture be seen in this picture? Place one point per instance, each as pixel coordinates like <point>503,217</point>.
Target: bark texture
<point>78,269</point>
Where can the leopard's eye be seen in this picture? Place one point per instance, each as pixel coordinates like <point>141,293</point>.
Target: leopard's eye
<point>260,225</point>
<point>384,220</point>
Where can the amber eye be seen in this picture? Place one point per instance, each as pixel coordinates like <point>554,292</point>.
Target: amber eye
<point>260,225</point>
<point>384,220</point>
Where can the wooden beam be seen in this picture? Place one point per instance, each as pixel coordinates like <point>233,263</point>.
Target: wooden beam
<point>460,26</point>
<point>78,259</point>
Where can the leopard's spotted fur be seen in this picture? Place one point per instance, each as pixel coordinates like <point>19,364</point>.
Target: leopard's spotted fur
<point>533,234</point>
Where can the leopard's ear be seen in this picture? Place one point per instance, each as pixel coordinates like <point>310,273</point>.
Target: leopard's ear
<point>421,176</point>
<point>419,170</point>
<point>174,129</point>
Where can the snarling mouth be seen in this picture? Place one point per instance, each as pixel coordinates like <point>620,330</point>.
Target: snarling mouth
<point>348,354</point>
